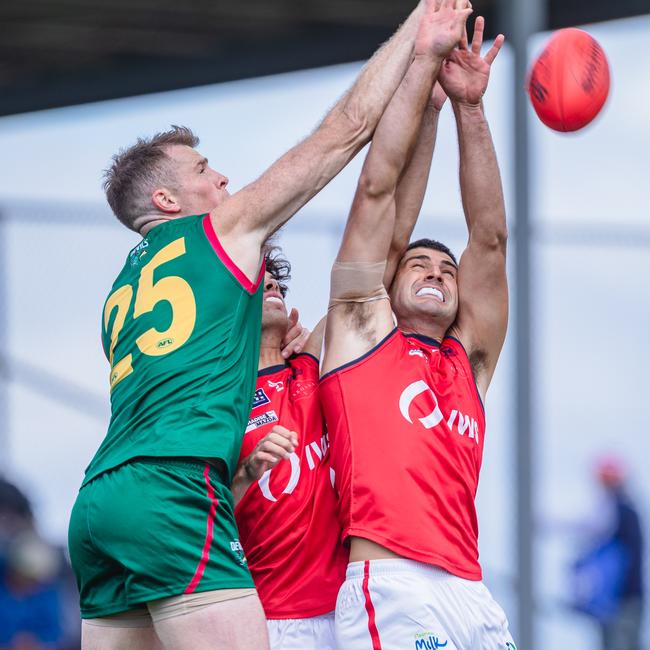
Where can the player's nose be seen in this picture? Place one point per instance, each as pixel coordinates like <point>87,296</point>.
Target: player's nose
<point>221,181</point>
<point>271,285</point>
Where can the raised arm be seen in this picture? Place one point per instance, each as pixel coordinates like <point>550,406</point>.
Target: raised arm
<point>248,217</point>
<point>356,322</point>
<point>482,284</point>
<point>413,183</point>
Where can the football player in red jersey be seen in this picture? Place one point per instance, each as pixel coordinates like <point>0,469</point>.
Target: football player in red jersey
<point>286,511</point>
<point>404,404</point>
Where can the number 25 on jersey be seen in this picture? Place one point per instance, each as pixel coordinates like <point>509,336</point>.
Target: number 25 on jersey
<point>174,289</point>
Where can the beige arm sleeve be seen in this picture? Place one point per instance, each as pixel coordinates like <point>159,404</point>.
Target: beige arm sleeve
<point>357,282</point>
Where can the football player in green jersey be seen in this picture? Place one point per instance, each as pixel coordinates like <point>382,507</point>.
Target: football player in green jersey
<point>152,534</point>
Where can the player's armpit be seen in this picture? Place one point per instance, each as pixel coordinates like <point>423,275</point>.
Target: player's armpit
<point>482,318</point>
<point>353,329</point>
<point>359,314</point>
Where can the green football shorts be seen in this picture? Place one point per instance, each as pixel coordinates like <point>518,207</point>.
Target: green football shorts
<point>154,528</point>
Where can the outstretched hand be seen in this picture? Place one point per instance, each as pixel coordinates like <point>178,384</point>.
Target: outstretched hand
<point>442,26</point>
<point>464,75</point>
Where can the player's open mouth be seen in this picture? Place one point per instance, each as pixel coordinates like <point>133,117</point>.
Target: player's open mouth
<point>274,299</point>
<point>431,291</point>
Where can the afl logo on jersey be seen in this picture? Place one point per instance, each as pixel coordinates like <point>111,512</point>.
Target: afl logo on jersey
<point>430,403</point>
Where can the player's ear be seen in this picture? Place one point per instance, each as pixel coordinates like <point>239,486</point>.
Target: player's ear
<point>165,201</point>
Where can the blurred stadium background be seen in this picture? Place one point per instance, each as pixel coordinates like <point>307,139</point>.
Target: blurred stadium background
<point>79,80</point>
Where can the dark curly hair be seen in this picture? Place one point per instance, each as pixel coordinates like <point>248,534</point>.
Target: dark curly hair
<point>278,266</point>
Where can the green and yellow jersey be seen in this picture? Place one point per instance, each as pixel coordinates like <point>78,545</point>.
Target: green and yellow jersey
<point>181,330</point>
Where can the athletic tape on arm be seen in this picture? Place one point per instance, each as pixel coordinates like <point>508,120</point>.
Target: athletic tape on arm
<point>357,282</point>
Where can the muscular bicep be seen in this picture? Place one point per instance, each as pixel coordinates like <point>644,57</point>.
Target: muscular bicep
<point>482,317</point>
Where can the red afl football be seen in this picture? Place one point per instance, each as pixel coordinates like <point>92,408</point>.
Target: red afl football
<point>569,82</point>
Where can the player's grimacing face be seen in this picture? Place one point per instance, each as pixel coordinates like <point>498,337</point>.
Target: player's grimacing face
<point>201,188</point>
<point>426,284</point>
<point>274,310</point>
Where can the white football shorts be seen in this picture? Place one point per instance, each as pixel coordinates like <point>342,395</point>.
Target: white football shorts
<point>407,605</point>
<point>315,633</point>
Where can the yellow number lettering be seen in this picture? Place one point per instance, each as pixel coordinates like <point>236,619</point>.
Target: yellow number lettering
<point>177,292</point>
<point>120,299</point>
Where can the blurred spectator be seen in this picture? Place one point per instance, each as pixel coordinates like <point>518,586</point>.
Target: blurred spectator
<point>35,594</point>
<point>608,578</point>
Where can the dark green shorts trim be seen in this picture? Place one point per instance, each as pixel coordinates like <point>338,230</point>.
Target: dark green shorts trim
<point>151,529</point>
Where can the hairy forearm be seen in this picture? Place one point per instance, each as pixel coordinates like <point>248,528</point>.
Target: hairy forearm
<point>365,102</point>
<point>266,204</point>
<point>480,180</point>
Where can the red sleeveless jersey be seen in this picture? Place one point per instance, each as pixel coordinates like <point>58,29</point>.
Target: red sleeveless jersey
<point>406,426</point>
<point>287,520</point>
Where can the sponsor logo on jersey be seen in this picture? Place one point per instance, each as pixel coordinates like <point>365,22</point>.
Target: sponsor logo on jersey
<point>463,424</point>
<point>416,352</point>
<point>315,452</point>
<point>278,385</point>
<point>407,397</point>
<point>238,550</point>
<point>260,398</point>
<point>163,343</point>
<point>138,252</point>
<point>260,420</point>
<point>429,641</point>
